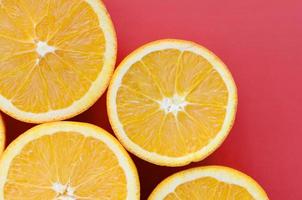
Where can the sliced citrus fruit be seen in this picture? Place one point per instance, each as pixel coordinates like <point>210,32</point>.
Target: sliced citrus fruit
<point>2,136</point>
<point>67,161</point>
<point>209,183</point>
<point>56,57</point>
<point>172,102</point>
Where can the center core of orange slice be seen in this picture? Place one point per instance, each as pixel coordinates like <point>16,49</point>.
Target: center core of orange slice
<point>64,192</point>
<point>173,105</point>
<point>43,48</point>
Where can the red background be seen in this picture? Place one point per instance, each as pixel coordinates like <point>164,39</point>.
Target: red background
<point>261,42</point>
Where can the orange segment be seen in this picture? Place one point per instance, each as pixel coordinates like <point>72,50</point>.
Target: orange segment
<point>209,188</point>
<point>192,70</point>
<point>58,10</point>
<point>211,124</point>
<point>208,183</point>
<point>84,181</point>
<point>80,31</point>
<point>134,106</point>
<point>176,141</point>
<point>67,160</point>
<point>54,17</point>
<point>163,65</point>
<point>26,15</point>
<point>15,23</point>
<point>172,102</point>
<point>212,90</point>
<point>93,62</point>
<point>145,131</point>
<point>74,47</point>
<point>198,135</point>
<point>35,82</point>
<point>36,10</point>
<point>140,80</point>
<point>71,83</point>
<point>14,70</point>
<point>12,48</point>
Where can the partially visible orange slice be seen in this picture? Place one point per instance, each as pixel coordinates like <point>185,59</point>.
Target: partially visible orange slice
<point>172,102</point>
<point>209,183</point>
<point>67,161</point>
<point>56,57</point>
<point>2,136</point>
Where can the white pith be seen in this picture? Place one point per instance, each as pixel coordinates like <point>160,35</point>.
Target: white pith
<point>173,105</point>
<point>43,48</point>
<point>64,192</point>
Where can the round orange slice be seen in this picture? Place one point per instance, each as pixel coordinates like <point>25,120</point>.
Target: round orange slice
<point>67,161</point>
<point>56,57</point>
<point>2,136</point>
<point>172,102</point>
<point>212,182</point>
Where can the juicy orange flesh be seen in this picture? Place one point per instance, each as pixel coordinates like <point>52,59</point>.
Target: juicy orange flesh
<point>59,78</point>
<point>209,188</point>
<point>84,163</point>
<point>164,74</point>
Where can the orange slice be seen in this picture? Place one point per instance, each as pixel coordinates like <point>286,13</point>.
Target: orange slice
<point>56,57</point>
<point>172,102</point>
<point>67,161</point>
<point>209,183</point>
<point>2,136</point>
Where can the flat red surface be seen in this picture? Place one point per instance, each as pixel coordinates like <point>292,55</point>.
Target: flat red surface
<point>261,42</point>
